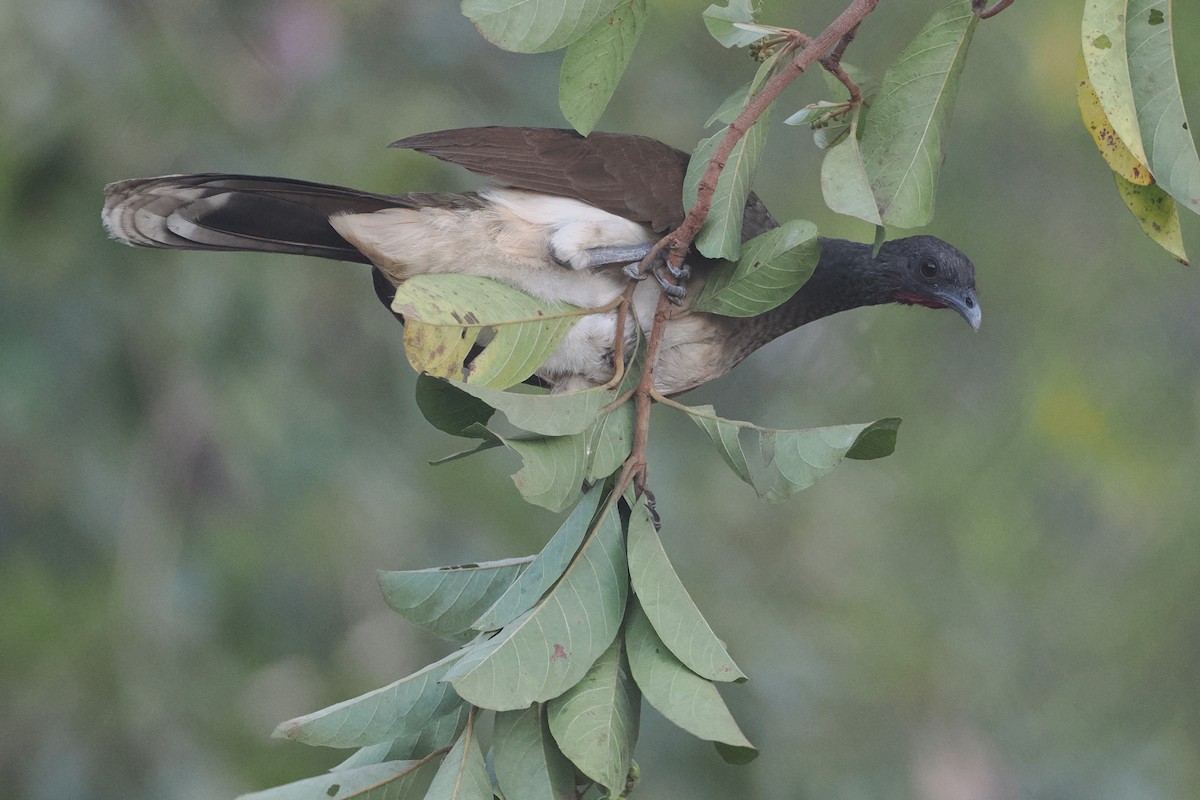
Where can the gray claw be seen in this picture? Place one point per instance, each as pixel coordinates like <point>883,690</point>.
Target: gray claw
<point>674,292</point>
<point>634,271</point>
<point>682,273</point>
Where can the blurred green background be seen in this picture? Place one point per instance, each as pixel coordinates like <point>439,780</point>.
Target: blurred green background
<point>204,457</point>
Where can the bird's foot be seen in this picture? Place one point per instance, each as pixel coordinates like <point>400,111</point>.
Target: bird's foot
<point>674,292</point>
<point>681,273</point>
<point>634,271</point>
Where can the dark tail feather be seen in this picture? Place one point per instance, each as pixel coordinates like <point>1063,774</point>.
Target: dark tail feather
<point>236,212</point>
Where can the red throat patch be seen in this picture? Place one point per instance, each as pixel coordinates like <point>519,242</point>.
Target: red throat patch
<point>908,298</point>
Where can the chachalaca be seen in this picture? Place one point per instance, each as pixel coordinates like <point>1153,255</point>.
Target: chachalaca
<point>568,213</point>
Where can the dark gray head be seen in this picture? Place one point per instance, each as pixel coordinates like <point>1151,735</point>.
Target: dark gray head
<point>925,271</point>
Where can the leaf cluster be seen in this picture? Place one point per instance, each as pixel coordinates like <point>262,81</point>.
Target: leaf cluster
<point>1131,103</point>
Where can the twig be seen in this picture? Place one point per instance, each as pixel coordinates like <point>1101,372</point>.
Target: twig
<point>827,48</point>
<point>849,19</point>
<point>978,6</point>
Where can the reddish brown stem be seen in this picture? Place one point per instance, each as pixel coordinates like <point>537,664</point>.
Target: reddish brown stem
<point>988,13</point>
<point>830,38</point>
<point>829,46</point>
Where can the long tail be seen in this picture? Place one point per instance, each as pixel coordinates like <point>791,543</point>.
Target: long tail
<point>236,212</point>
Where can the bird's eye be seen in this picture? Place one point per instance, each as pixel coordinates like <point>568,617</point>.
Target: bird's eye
<point>929,269</point>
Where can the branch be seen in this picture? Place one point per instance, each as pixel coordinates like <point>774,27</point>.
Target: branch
<point>826,48</point>
<point>978,6</point>
<point>829,39</point>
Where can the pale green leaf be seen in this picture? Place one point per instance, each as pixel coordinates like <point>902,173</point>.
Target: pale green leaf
<point>1156,212</point>
<point>393,780</point>
<point>720,23</point>
<point>552,470</point>
<point>691,702</point>
<point>547,414</point>
<point>773,266</point>
<point>726,435</point>
<point>730,107</point>
<point>845,183</point>
<point>545,569</point>
<point>535,26</point>
<point>595,722</point>
<point>462,774</point>
<point>902,139</point>
<point>1104,51</point>
<point>792,460</point>
<point>796,459</point>
<point>721,236</point>
<point>608,443</point>
<point>411,745</point>
<point>548,649</point>
<point>593,65</point>
<point>527,762</point>
<point>446,600</point>
<point>1170,150</point>
<point>406,705</point>
<point>670,608</point>
<point>527,330</point>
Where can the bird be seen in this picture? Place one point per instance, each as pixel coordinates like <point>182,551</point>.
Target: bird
<point>564,219</point>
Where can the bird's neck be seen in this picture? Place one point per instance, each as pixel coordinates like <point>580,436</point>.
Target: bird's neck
<point>846,277</point>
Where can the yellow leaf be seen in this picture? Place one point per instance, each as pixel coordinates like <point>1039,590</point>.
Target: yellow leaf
<point>1119,157</point>
<point>437,349</point>
<point>1157,213</point>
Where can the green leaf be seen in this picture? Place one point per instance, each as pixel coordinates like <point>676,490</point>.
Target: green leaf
<point>669,607</point>
<point>446,600</point>
<point>1157,213</point>
<point>548,649</point>
<point>691,702</point>
<point>527,760</point>
<point>795,460</point>
<point>730,107</point>
<point>720,21</point>
<point>552,470</point>
<point>547,414</point>
<point>462,774</point>
<point>792,460</point>
<point>721,236</point>
<point>877,441</point>
<point>773,266</point>
<point>393,780</point>
<point>608,443</point>
<point>406,705</point>
<point>448,409</point>
<point>726,435</point>
<point>411,745</point>
<point>1170,151</point>
<point>460,306</point>
<point>902,140</point>
<point>845,183</point>
<point>522,26</point>
<point>595,722</point>
<point>1104,52</point>
<point>546,567</point>
<point>593,65</point>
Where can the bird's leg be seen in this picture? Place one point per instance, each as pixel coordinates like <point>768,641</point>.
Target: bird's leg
<point>634,253</point>
<point>600,256</point>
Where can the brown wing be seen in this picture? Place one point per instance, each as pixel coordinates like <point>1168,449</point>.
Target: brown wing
<point>635,177</point>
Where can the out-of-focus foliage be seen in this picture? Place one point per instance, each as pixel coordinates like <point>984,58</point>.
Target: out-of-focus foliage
<point>204,459</point>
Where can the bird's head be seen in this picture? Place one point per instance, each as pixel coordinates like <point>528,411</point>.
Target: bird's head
<point>925,271</point>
